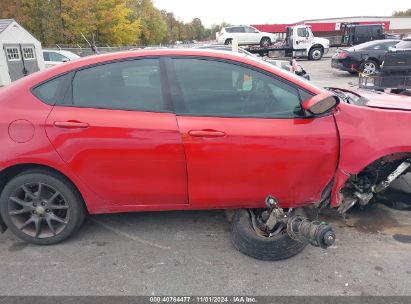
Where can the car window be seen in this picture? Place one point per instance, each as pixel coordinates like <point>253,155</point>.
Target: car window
<point>216,88</point>
<point>53,56</point>
<point>302,32</point>
<point>52,91</point>
<point>46,56</point>
<point>127,85</point>
<point>238,29</point>
<point>249,30</point>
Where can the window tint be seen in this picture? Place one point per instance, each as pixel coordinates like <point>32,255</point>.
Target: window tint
<point>52,91</point>
<point>238,29</point>
<point>46,56</point>
<point>127,85</point>
<point>215,88</point>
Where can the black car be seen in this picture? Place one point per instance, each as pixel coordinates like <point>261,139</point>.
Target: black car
<point>365,58</point>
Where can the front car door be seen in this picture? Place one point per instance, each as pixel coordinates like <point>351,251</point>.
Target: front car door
<point>245,136</point>
<point>115,130</point>
<point>251,35</point>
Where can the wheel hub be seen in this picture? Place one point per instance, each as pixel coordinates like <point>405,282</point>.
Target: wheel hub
<point>40,210</point>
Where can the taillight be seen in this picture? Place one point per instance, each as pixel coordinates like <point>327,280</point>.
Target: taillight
<point>342,55</point>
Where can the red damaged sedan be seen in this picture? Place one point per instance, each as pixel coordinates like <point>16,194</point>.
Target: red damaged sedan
<point>193,129</point>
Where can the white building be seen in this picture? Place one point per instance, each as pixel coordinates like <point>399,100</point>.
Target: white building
<point>396,24</point>
<point>20,53</point>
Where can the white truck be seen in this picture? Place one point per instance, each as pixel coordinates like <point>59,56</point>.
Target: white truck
<point>299,42</point>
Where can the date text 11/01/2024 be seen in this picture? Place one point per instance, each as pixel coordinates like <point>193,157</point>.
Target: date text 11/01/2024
<point>205,299</point>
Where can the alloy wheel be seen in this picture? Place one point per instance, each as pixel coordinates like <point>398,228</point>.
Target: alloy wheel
<point>38,210</point>
<point>369,68</point>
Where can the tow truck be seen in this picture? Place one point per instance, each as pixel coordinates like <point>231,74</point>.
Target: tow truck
<point>299,42</point>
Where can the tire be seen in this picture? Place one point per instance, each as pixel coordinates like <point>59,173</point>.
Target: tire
<point>316,54</point>
<point>247,241</point>
<point>265,42</point>
<point>50,202</point>
<point>369,67</point>
<point>228,41</point>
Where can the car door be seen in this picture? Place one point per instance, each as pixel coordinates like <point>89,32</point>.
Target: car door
<point>245,136</point>
<point>116,131</point>
<point>251,35</point>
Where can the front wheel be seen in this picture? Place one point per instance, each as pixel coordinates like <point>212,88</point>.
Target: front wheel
<point>265,42</point>
<point>315,54</point>
<point>257,244</point>
<point>41,207</point>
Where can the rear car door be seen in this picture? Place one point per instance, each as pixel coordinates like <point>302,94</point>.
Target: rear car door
<point>245,136</point>
<point>238,33</point>
<point>116,130</point>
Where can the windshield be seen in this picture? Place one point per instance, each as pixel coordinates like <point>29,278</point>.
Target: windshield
<point>69,55</point>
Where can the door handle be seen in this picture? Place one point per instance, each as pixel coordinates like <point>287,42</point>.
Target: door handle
<point>71,124</point>
<point>206,133</point>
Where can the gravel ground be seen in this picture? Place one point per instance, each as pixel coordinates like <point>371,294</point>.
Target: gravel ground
<point>190,253</point>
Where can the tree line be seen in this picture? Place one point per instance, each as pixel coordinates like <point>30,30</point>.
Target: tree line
<point>405,13</point>
<point>103,22</point>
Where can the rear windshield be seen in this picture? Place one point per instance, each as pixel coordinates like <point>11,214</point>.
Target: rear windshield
<point>406,44</point>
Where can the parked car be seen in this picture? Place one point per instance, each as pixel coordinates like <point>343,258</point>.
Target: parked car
<point>185,129</point>
<point>55,57</point>
<point>395,74</point>
<point>244,35</point>
<point>365,58</point>
<point>283,64</point>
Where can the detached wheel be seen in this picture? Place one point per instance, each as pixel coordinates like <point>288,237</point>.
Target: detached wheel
<point>265,42</point>
<point>41,207</point>
<point>258,244</point>
<point>315,54</point>
<point>369,67</point>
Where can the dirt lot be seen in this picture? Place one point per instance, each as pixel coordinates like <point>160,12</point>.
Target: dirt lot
<point>189,253</point>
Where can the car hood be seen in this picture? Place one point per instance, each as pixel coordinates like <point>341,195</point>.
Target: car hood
<point>386,101</point>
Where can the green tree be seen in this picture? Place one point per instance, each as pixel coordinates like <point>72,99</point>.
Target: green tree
<point>153,27</point>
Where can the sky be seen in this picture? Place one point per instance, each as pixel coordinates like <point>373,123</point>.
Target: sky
<point>276,11</point>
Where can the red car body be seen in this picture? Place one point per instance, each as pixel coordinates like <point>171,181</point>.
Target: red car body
<point>124,161</point>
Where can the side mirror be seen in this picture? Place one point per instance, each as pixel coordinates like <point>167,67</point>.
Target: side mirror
<point>65,60</point>
<point>321,103</point>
